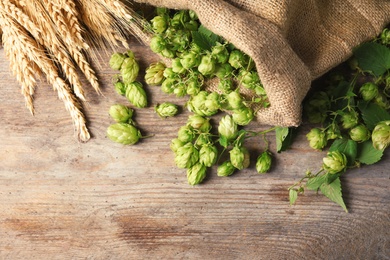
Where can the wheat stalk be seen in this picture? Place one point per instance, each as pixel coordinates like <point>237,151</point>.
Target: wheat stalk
<point>15,34</point>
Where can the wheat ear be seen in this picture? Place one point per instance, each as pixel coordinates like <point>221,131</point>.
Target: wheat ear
<point>17,35</point>
<point>103,27</point>
<point>70,40</point>
<point>37,22</point>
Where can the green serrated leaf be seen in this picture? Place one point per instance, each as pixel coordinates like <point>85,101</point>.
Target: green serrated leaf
<point>316,182</point>
<point>281,134</point>
<point>293,196</point>
<point>333,192</point>
<point>284,138</point>
<point>373,57</point>
<point>367,154</point>
<point>347,147</point>
<point>202,40</point>
<point>372,114</point>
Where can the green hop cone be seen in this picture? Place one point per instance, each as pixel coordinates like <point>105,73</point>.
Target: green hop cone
<point>176,143</point>
<point>212,103</point>
<point>333,132</point>
<point>316,107</point>
<point>129,70</point>
<point>237,59</point>
<point>167,53</point>
<point>385,36</point>
<point>334,162</point>
<point>177,67</point>
<point>263,162</point>
<point>226,169</point>
<point>159,24</point>
<point>168,85</point>
<point>208,155</point>
<point>207,65</point>
<point>121,113</point>
<point>123,133</point>
<point>239,157</point>
<point>369,91</point>
<point>196,174</point>
<point>224,71</point>
<point>349,119</point>
<point>359,133</point>
<point>186,156</point>
<point>382,101</point>
<point>166,109</point>
<point>154,74</point>
<point>381,135</point>
<point>158,44</point>
<point>243,116</point>
<point>235,100</point>
<point>203,139</point>
<point>317,138</point>
<point>227,128</point>
<point>249,79</point>
<point>186,134</point>
<point>120,88</point>
<point>220,53</point>
<point>199,122</point>
<point>116,60</point>
<point>136,94</point>
<point>225,85</point>
<point>193,87</point>
<point>190,60</point>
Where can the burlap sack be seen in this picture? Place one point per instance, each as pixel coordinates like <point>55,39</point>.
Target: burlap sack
<point>291,41</point>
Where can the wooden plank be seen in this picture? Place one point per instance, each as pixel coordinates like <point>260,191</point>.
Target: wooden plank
<point>63,199</point>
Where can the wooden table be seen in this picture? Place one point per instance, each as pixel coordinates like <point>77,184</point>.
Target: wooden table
<point>61,199</point>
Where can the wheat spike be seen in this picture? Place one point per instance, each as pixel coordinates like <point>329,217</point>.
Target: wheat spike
<point>40,22</point>
<point>17,35</point>
<point>101,24</point>
<point>70,40</point>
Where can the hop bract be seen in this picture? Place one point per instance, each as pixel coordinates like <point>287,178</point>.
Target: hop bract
<point>186,156</point>
<point>239,157</point>
<point>317,138</point>
<point>381,135</point>
<point>123,133</point>
<point>154,74</point>
<point>196,174</point>
<point>226,169</point>
<point>121,113</point>
<point>116,60</point>
<point>263,162</point>
<point>136,94</point>
<point>335,162</point>
<point>228,128</point>
<point>166,109</point>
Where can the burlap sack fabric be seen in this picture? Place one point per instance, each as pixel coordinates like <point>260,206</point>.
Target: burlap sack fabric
<point>292,42</point>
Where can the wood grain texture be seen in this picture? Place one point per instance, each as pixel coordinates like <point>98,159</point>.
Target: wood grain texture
<point>60,199</point>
